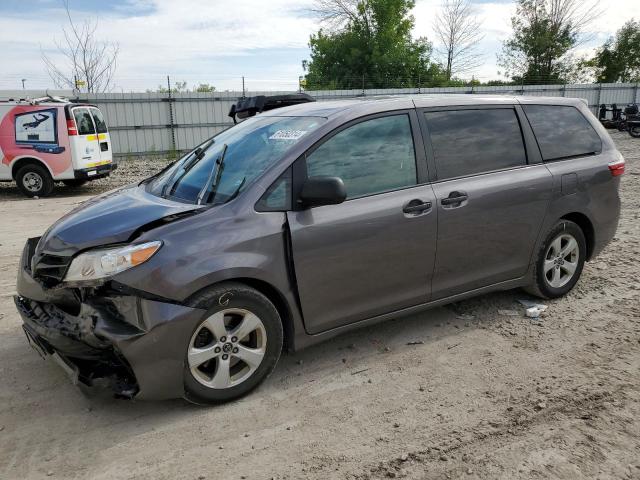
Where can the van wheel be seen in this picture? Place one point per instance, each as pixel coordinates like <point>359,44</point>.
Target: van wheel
<point>235,346</point>
<point>34,181</point>
<point>559,262</point>
<point>75,182</point>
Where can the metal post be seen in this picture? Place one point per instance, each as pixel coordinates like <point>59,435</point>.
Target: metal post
<point>363,85</point>
<point>635,94</point>
<point>243,87</point>
<point>171,124</point>
<point>564,89</point>
<point>419,83</point>
<point>599,96</point>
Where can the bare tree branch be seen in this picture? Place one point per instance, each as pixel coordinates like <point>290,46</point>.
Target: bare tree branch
<point>457,30</point>
<point>86,59</point>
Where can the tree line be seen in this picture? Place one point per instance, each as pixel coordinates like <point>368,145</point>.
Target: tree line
<point>368,44</point>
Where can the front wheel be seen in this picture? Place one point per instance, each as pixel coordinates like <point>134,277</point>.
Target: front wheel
<point>235,346</point>
<point>559,262</point>
<point>634,131</point>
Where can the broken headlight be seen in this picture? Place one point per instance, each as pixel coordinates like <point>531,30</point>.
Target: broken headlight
<point>105,262</point>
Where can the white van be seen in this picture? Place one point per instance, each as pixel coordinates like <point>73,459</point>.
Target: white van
<point>47,140</point>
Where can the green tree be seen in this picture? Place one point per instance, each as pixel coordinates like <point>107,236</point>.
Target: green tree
<point>544,34</point>
<point>183,87</point>
<point>368,44</point>
<point>618,60</point>
<point>204,88</point>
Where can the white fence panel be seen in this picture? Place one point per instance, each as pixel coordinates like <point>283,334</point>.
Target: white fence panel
<point>156,123</point>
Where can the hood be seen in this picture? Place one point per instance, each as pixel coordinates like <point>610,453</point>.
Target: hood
<point>110,218</point>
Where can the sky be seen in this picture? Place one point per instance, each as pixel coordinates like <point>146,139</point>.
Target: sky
<point>220,41</point>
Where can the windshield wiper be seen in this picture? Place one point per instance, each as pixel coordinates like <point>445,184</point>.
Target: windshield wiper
<point>214,176</point>
<point>237,190</point>
<point>189,163</point>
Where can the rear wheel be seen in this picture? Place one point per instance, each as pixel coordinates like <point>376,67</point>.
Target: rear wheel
<point>634,131</point>
<point>560,261</point>
<point>235,346</point>
<point>75,182</point>
<point>34,180</point>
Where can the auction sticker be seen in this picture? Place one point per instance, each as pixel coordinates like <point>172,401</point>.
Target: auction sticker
<point>287,135</point>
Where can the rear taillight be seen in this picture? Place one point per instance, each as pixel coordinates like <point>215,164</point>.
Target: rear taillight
<point>71,127</point>
<point>617,166</point>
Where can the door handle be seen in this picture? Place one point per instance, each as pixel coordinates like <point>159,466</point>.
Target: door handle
<point>454,198</point>
<point>416,206</point>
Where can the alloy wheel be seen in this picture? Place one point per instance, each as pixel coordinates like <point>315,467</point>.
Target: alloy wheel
<point>226,348</point>
<point>561,260</point>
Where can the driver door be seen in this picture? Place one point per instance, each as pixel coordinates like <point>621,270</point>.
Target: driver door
<point>374,253</point>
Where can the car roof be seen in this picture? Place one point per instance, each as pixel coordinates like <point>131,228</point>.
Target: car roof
<point>365,105</point>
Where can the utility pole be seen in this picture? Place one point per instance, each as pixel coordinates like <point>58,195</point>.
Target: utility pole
<point>23,80</point>
<point>171,124</point>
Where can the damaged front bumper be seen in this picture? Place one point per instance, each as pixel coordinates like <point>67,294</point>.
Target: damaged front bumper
<point>102,337</point>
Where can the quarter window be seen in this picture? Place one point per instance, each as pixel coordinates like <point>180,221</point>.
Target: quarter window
<point>562,131</point>
<point>468,142</point>
<point>371,157</point>
<point>278,195</point>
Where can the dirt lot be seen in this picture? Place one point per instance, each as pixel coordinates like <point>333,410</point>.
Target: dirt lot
<point>480,395</point>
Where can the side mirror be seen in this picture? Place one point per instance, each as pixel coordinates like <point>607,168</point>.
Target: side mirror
<point>317,191</point>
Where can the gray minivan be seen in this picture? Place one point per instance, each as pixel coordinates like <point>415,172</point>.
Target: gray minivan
<point>306,221</point>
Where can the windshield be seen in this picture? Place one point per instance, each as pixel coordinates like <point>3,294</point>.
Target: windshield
<point>233,161</point>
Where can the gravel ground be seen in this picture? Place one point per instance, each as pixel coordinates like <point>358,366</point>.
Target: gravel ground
<point>128,171</point>
<point>457,392</point>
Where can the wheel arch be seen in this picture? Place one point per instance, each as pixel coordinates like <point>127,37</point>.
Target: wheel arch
<point>586,226</point>
<point>23,161</point>
<point>273,294</point>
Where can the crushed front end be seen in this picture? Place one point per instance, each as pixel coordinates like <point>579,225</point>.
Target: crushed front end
<point>108,335</point>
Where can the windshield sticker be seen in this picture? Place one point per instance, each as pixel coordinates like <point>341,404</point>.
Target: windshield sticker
<point>287,135</point>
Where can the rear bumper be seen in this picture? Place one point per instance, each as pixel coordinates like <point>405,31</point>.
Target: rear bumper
<point>132,345</point>
<point>95,172</point>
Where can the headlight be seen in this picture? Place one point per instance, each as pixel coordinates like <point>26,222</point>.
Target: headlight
<point>102,263</point>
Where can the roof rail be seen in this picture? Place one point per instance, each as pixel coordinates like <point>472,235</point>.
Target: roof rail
<point>36,101</point>
<point>248,107</point>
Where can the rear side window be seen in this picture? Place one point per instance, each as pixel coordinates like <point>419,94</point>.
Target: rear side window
<point>562,131</point>
<point>101,126</point>
<point>83,121</point>
<point>467,142</point>
<point>372,156</point>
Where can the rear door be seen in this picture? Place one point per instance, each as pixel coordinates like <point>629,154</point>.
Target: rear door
<point>104,139</point>
<point>492,194</point>
<point>374,253</point>
<point>84,146</point>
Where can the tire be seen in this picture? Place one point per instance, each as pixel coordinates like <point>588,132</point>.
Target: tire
<point>634,131</point>
<point>75,182</point>
<point>559,262</point>
<point>34,180</point>
<point>231,307</point>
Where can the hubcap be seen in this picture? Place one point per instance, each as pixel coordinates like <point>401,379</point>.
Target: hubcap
<point>227,348</point>
<point>32,181</point>
<point>561,260</point>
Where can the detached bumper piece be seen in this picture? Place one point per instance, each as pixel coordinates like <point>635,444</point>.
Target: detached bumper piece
<point>70,341</point>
